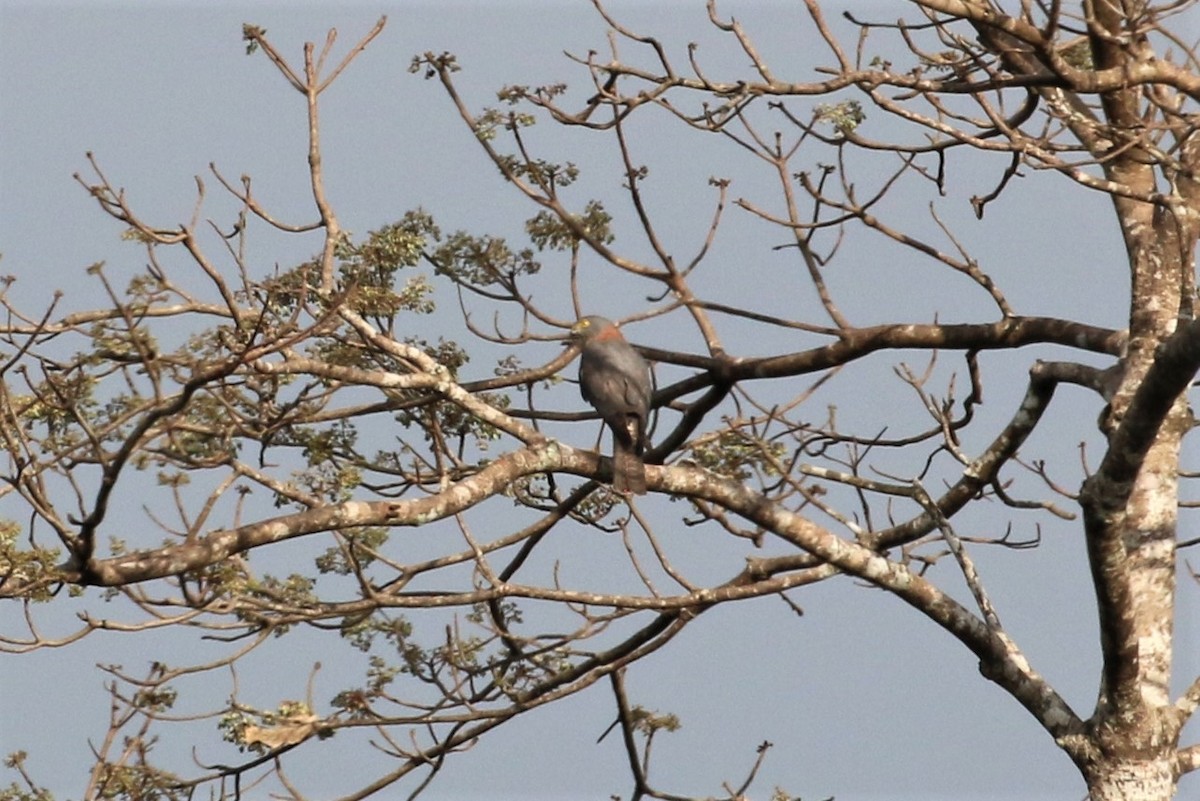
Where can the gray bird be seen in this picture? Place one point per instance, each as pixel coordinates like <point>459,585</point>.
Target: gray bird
<point>615,379</point>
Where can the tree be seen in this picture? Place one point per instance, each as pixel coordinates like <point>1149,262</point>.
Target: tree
<point>292,418</point>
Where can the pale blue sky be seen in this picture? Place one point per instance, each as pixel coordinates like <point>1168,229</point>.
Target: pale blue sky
<point>863,698</point>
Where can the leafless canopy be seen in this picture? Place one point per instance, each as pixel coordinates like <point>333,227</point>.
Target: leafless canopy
<point>301,408</point>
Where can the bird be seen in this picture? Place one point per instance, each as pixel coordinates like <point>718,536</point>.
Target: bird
<point>615,379</point>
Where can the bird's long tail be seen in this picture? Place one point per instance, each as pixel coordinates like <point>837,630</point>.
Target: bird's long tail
<point>629,471</point>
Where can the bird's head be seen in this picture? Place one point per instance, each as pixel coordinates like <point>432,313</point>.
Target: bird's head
<point>590,327</point>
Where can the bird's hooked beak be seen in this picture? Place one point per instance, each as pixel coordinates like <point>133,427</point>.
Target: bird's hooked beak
<point>578,330</point>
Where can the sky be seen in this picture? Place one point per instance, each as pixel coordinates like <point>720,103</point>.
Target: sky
<point>862,698</point>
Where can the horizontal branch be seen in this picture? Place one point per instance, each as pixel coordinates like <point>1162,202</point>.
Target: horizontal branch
<point>853,344</point>
<point>216,546</point>
<point>1010,332</point>
<point>1005,664</point>
<point>1187,759</point>
<point>73,322</point>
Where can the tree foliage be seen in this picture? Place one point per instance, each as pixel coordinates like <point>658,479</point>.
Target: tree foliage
<point>285,431</point>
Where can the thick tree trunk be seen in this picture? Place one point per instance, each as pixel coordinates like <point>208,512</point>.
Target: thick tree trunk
<point>1134,729</point>
<point>1131,509</point>
<point>1131,514</point>
<point>1117,779</point>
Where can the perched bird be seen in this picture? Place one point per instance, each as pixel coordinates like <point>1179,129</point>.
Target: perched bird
<point>615,379</point>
